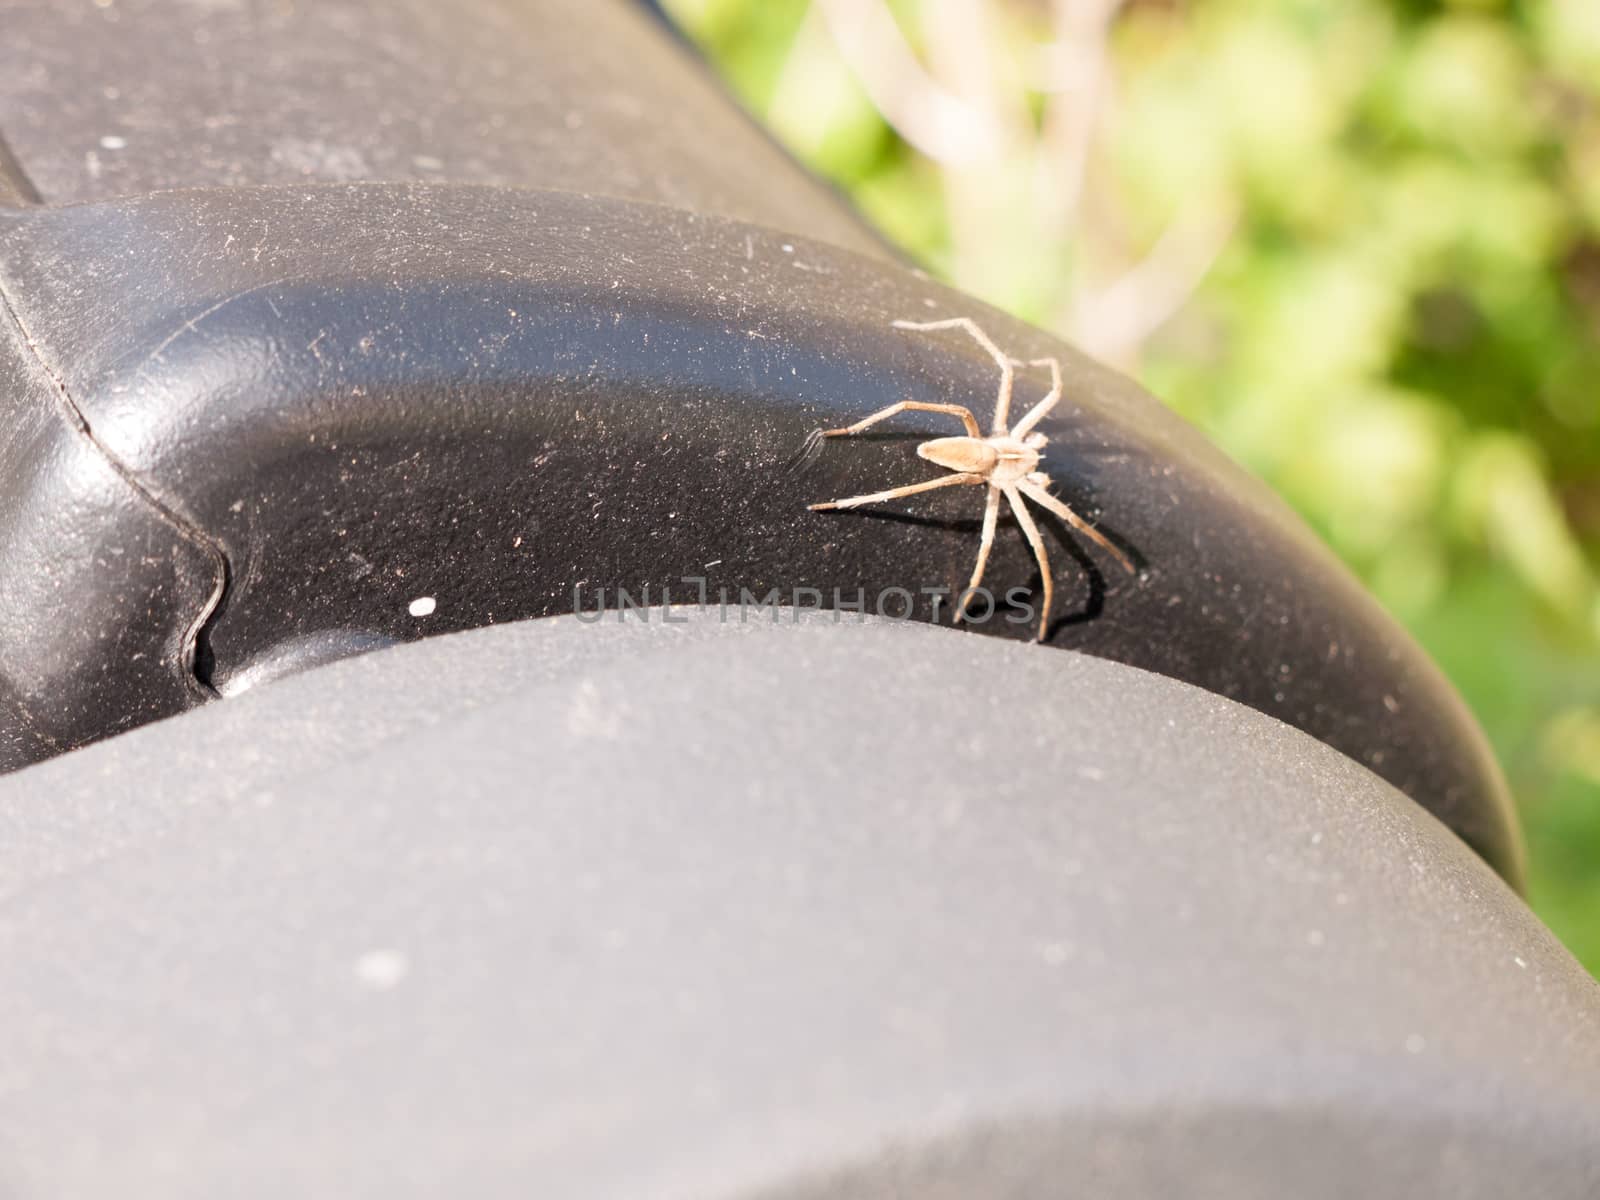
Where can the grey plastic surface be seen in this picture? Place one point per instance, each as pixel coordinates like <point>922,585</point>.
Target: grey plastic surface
<point>104,101</point>
<point>724,910</point>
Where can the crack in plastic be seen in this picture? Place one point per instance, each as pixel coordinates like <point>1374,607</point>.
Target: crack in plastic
<point>192,646</point>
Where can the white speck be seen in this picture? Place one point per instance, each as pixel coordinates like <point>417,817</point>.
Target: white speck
<point>1391,703</point>
<point>1416,1043</point>
<point>381,970</point>
<point>423,606</point>
<point>715,562</point>
<point>516,541</point>
<point>592,716</point>
<point>236,506</point>
<point>787,248</point>
<point>1316,838</point>
<point>1055,953</point>
<point>426,162</point>
<point>112,142</point>
<point>1520,961</point>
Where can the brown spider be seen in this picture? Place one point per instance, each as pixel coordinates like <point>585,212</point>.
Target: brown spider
<point>1006,461</point>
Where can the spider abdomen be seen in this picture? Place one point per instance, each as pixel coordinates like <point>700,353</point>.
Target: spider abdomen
<point>969,455</point>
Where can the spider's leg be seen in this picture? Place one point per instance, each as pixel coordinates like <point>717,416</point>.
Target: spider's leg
<point>954,410</point>
<point>1052,398</point>
<point>896,493</point>
<point>991,514</point>
<point>1002,402</point>
<point>1037,492</point>
<point>1031,532</point>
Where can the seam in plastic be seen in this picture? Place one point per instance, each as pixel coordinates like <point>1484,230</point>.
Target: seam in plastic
<point>185,528</point>
<point>16,189</point>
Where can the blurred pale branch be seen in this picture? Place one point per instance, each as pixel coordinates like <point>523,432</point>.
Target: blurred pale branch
<point>1076,75</point>
<point>1114,322</point>
<point>965,110</point>
<point>917,106</point>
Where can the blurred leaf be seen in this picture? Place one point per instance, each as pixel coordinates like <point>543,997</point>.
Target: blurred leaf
<point>1502,494</point>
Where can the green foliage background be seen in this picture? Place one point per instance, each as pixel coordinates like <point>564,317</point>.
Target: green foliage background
<point>1399,326</point>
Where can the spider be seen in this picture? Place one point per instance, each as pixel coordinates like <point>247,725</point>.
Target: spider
<point>1006,462</point>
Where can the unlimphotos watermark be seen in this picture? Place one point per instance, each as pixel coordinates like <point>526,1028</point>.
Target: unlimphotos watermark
<point>978,605</point>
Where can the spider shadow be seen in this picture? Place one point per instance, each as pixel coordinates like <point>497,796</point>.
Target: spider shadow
<point>972,525</point>
<point>1057,529</point>
<point>1073,543</point>
<point>1095,602</point>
